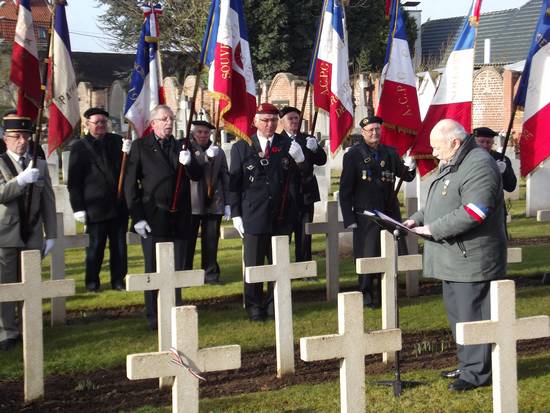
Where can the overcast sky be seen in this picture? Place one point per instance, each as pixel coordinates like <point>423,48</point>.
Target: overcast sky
<point>87,36</point>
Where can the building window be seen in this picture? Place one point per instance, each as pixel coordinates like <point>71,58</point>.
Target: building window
<point>42,32</point>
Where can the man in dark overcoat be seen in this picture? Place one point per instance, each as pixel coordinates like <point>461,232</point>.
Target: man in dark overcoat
<point>468,245</point>
<point>149,188</point>
<point>370,171</point>
<point>258,171</point>
<point>304,180</point>
<point>209,200</point>
<point>94,167</point>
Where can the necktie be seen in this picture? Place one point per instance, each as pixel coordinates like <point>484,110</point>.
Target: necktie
<point>165,145</point>
<point>23,162</point>
<point>267,149</point>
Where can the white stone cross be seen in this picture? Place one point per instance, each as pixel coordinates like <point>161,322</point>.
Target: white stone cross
<point>32,290</point>
<point>165,280</point>
<point>351,345</point>
<point>503,330</point>
<point>385,264</point>
<point>57,265</point>
<point>185,389</point>
<point>282,272</point>
<point>332,227</point>
<point>63,204</point>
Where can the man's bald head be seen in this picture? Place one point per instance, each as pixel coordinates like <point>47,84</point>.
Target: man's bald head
<point>445,138</point>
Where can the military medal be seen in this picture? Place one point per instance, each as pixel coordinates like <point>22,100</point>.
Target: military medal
<point>197,154</point>
<point>364,176</point>
<point>263,160</point>
<point>382,163</point>
<point>250,167</point>
<point>367,160</point>
<point>445,186</point>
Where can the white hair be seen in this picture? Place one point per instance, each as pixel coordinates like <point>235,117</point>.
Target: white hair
<point>448,129</point>
<point>158,108</point>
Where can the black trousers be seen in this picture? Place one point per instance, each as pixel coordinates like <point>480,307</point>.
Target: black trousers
<point>366,243</point>
<point>470,301</point>
<point>114,230</point>
<point>256,249</point>
<point>302,241</point>
<point>210,236</point>
<point>149,255</point>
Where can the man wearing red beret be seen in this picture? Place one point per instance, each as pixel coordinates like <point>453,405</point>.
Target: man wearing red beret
<point>258,172</point>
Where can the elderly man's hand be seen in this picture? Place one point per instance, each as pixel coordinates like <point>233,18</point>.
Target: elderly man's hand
<point>424,230</point>
<point>410,223</point>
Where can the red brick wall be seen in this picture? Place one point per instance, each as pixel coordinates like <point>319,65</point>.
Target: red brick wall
<point>488,104</point>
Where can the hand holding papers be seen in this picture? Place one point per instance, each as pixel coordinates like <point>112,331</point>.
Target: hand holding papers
<point>391,224</point>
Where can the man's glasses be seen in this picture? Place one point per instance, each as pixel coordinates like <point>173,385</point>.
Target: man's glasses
<point>18,136</point>
<point>269,120</point>
<point>371,131</point>
<point>99,122</point>
<point>165,119</point>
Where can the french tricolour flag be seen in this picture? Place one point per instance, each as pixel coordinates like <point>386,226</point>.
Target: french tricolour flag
<point>398,105</point>
<point>534,96</point>
<point>25,72</point>
<point>145,85</point>
<point>330,75</point>
<point>226,53</point>
<point>453,98</point>
<point>63,111</point>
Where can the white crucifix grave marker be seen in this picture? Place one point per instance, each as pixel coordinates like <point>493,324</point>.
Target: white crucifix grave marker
<point>32,290</point>
<point>332,227</point>
<point>350,345</point>
<point>282,272</point>
<point>57,266</point>
<point>385,264</point>
<point>63,204</point>
<point>185,388</point>
<point>503,330</point>
<point>165,281</point>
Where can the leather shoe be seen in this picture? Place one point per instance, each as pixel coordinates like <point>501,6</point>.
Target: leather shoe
<point>461,385</point>
<point>92,287</point>
<point>8,344</point>
<point>450,374</point>
<point>119,286</point>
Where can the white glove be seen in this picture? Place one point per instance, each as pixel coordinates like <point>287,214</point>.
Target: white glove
<point>501,166</point>
<point>296,152</point>
<point>80,216</point>
<point>185,157</point>
<point>352,226</point>
<point>409,162</point>
<point>239,226</point>
<point>126,145</point>
<point>227,213</point>
<point>212,151</point>
<point>311,144</point>
<point>28,176</point>
<point>142,228</point>
<point>48,245</point>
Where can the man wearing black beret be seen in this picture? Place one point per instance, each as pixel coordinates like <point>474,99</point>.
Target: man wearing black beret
<point>370,170</point>
<point>94,167</point>
<point>485,137</point>
<point>305,188</point>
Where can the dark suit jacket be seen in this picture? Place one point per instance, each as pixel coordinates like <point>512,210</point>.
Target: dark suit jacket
<point>256,190</point>
<point>150,183</point>
<point>93,178</point>
<point>305,181</point>
<point>364,183</point>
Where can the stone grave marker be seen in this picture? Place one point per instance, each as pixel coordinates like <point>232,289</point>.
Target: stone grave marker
<point>503,331</point>
<point>65,165</point>
<point>57,267</point>
<point>63,205</point>
<point>165,281</point>
<point>332,227</point>
<point>350,345</point>
<point>281,272</point>
<point>32,290</point>
<point>185,340</point>
<point>385,264</point>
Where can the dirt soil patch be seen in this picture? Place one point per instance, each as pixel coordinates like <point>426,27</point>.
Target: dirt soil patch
<point>108,390</point>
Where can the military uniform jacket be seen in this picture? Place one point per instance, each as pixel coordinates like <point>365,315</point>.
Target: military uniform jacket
<point>509,180</point>
<point>149,186</point>
<point>305,181</point>
<point>43,216</point>
<point>368,178</point>
<point>215,169</point>
<point>94,167</point>
<point>464,210</point>
<point>256,186</point>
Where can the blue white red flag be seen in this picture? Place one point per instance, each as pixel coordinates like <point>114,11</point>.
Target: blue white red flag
<point>145,85</point>
<point>25,72</point>
<point>330,74</point>
<point>226,53</point>
<point>453,98</point>
<point>64,110</point>
<point>534,96</point>
<point>398,105</point>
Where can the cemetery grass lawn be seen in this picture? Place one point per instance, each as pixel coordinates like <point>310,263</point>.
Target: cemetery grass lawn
<point>431,397</point>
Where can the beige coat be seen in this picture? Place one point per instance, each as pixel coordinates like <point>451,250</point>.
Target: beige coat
<point>43,207</point>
